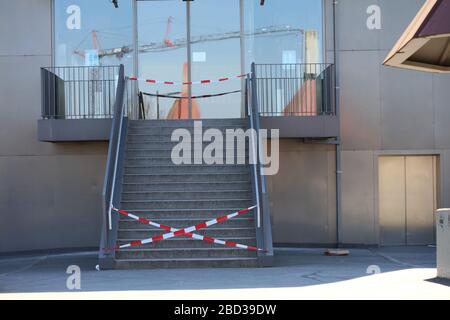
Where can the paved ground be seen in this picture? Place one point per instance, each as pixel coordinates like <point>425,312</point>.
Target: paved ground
<point>405,273</point>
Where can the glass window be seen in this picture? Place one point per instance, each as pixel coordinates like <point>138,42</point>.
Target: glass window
<point>287,31</point>
<point>163,57</point>
<point>216,53</point>
<point>92,33</point>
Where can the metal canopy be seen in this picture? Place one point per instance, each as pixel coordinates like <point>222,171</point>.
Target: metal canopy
<point>425,45</point>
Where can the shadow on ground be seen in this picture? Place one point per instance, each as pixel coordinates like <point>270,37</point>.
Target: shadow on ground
<point>293,268</point>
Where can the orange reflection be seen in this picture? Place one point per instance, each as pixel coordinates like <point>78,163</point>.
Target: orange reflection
<point>180,108</point>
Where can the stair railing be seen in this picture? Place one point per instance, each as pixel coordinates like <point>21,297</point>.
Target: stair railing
<point>261,199</point>
<point>111,184</point>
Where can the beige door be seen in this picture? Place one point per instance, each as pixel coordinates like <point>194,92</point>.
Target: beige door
<point>407,199</point>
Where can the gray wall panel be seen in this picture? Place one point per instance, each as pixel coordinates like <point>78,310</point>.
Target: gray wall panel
<point>50,202</point>
<point>302,194</point>
<point>49,193</point>
<point>444,176</point>
<point>441,97</point>
<point>360,100</point>
<point>25,27</point>
<point>407,112</point>
<point>396,16</point>
<point>385,110</point>
<point>353,33</point>
<point>359,222</point>
<point>329,31</point>
<point>21,104</point>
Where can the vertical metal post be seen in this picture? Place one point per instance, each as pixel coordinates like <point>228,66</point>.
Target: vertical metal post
<point>157,105</point>
<point>338,145</point>
<point>243,66</point>
<point>189,55</point>
<point>135,40</point>
<point>134,88</point>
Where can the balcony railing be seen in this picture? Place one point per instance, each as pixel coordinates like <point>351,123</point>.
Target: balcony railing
<point>296,89</point>
<point>81,92</point>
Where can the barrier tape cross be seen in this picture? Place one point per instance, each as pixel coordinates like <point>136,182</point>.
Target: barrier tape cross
<point>207,81</point>
<point>173,232</point>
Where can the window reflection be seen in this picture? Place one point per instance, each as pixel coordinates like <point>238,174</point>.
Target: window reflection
<point>287,31</point>
<point>216,53</point>
<point>163,56</point>
<point>92,33</point>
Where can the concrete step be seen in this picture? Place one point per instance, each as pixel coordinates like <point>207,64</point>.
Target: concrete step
<point>149,130</point>
<point>195,213</point>
<point>198,177</point>
<point>186,263</point>
<point>148,153</point>
<point>186,169</point>
<point>167,153</point>
<point>217,232</point>
<point>187,123</point>
<point>152,161</point>
<point>189,243</point>
<point>186,204</point>
<point>167,145</point>
<point>186,186</point>
<point>186,195</point>
<point>150,138</point>
<point>182,253</point>
<point>127,223</point>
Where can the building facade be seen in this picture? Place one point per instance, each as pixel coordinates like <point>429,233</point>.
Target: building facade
<point>377,182</point>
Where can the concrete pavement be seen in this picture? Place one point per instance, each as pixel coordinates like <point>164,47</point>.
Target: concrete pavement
<point>400,273</point>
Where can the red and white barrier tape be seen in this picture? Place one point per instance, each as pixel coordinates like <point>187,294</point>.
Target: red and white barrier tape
<point>187,231</point>
<point>153,81</point>
<point>191,235</point>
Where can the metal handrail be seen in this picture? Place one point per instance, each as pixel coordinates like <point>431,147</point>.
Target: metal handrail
<point>115,142</point>
<point>254,146</point>
<point>116,161</point>
<point>263,225</point>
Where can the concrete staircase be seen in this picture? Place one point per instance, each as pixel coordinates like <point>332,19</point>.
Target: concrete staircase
<point>181,196</point>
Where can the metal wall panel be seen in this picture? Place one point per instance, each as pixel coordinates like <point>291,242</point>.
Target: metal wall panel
<point>51,190</point>
<point>302,194</point>
<point>353,33</point>
<point>383,109</point>
<point>360,100</point>
<point>396,17</point>
<point>25,27</point>
<point>407,199</point>
<point>392,202</point>
<point>329,31</point>
<point>420,199</point>
<point>359,224</point>
<point>443,177</point>
<point>407,112</point>
<point>50,202</point>
<point>441,98</point>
